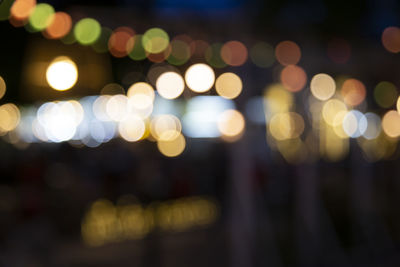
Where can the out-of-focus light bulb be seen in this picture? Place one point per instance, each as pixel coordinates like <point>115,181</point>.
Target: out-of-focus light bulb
<point>62,73</point>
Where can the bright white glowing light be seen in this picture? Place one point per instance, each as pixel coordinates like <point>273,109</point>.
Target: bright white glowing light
<point>170,85</point>
<point>200,78</point>
<point>201,118</point>
<point>62,74</point>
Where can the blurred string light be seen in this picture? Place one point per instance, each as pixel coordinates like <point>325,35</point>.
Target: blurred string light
<point>62,73</point>
<point>262,54</point>
<point>287,53</point>
<point>155,40</point>
<point>385,94</point>
<point>87,31</point>
<point>42,16</point>
<point>391,39</point>
<point>213,55</point>
<point>234,53</point>
<point>60,25</point>
<point>119,43</point>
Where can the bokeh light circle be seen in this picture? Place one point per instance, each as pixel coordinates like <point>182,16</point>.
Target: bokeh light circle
<point>200,77</point>
<point>391,123</point>
<point>172,148</point>
<point>170,85</point>
<point>391,39</point>
<point>62,73</point>
<point>228,85</point>
<point>231,124</point>
<point>87,31</point>
<point>385,94</point>
<point>353,92</point>
<point>59,27</point>
<point>41,17</point>
<point>234,53</point>
<point>294,78</point>
<point>322,86</point>
<point>155,40</point>
<point>287,53</point>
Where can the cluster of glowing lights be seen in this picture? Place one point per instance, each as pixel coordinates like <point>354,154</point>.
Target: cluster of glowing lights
<point>62,73</point>
<point>105,222</point>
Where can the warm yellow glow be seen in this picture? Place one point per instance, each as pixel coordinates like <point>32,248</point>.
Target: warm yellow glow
<point>132,128</point>
<point>2,87</point>
<point>172,148</point>
<point>398,104</point>
<point>170,85</point>
<point>200,78</point>
<point>338,125</point>
<point>128,219</point>
<point>140,104</point>
<point>277,99</point>
<point>141,88</point>
<point>322,86</point>
<point>331,109</point>
<point>228,85</point>
<point>62,74</point>
<point>9,117</point>
<point>231,124</point>
<point>165,127</point>
<point>391,124</point>
<point>287,125</point>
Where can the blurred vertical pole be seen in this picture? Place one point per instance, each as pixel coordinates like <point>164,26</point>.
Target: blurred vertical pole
<point>307,228</point>
<point>361,195</point>
<point>241,204</point>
